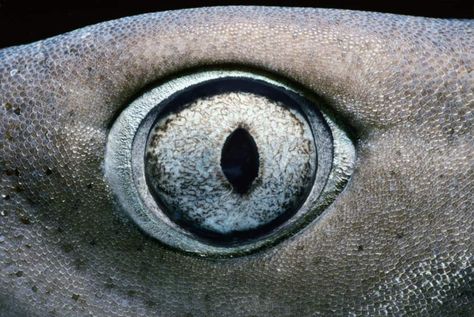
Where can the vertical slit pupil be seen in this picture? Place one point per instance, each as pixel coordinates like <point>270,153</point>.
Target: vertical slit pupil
<point>239,160</point>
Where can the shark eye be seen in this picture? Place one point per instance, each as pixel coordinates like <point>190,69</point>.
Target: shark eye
<point>225,162</point>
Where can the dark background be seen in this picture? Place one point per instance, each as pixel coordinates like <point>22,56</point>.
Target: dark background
<point>27,21</point>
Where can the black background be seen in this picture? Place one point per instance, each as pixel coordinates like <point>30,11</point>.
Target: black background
<point>26,21</point>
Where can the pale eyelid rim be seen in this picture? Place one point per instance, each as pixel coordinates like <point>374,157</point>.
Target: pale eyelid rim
<point>126,175</point>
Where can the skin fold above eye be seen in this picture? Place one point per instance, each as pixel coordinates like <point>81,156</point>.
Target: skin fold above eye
<point>396,241</point>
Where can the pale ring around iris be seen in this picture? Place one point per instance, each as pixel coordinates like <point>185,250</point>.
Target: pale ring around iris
<point>125,166</point>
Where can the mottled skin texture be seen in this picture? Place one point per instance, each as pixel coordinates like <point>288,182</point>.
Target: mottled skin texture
<point>397,241</point>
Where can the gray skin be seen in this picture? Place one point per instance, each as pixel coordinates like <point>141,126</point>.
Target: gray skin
<point>397,241</point>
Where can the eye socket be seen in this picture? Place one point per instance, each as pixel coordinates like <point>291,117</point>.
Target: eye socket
<point>222,163</point>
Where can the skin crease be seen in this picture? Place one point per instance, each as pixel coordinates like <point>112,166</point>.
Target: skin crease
<point>397,240</point>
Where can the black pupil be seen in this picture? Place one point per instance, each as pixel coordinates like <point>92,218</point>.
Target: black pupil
<point>239,160</point>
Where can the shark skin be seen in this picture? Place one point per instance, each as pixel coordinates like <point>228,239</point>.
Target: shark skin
<point>398,241</point>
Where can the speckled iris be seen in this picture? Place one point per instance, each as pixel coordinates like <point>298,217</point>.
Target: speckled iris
<point>200,164</point>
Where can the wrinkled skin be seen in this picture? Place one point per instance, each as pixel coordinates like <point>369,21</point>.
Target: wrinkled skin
<point>397,241</point>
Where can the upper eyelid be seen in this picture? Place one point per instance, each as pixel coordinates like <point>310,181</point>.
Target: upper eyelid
<point>122,57</point>
<point>95,45</point>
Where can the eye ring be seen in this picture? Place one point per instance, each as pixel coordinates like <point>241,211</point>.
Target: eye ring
<point>125,164</point>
